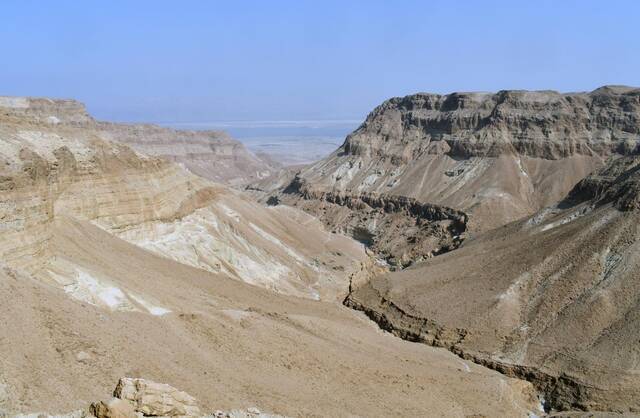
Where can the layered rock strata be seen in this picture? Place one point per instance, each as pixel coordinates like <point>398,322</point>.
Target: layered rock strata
<point>399,230</point>
<point>496,156</point>
<point>210,154</point>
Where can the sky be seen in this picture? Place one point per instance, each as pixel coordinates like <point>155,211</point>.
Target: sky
<point>198,61</point>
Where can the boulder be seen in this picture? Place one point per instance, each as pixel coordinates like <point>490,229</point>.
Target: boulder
<point>114,408</point>
<point>156,399</point>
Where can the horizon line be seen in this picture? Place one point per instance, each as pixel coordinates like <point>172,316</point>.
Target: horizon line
<point>250,122</point>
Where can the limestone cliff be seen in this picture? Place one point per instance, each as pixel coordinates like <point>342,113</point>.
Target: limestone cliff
<point>210,154</point>
<point>496,156</point>
<point>213,155</point>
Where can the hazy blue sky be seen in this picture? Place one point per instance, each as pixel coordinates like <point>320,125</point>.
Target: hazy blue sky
<point>273,60</point>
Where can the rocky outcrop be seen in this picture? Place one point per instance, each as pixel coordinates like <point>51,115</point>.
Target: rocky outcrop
<point>496,156</point>
<point>617,183</point>
<point>113,408</point>
<point>213,155</point>
<point>386,203</point>
<point>137,398</point>
<point>538,124</point>
<point>210,154</point>
<point>43,110</point>
<point>398,229</point>
<point>156,399</point>
<point>551,299</point>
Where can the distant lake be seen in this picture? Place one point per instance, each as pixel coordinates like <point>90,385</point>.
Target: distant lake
<point>288,142</point>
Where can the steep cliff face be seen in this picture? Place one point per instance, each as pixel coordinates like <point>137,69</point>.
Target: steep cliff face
<point>43,110</point>
<point>213,155</point>
<point>497,156</point>
<point>542,124</point>
<point>553,298</point>
<point>210,154</point>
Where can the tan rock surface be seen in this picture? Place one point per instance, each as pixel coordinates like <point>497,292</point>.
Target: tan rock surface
<point>113,408</point>
<point>156,399</point>
<point>210,154</point>
<point>553,298</point>
<point>228,344</point>
<point>496,156</point>
<point>213,155</point>
<point>139,264</point>
<point>55,171</point>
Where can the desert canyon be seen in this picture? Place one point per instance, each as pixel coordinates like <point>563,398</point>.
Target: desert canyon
<point>463,255</point>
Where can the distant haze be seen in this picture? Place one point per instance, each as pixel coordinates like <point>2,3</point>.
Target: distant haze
<point>287,142</point>
<point>191,61</point>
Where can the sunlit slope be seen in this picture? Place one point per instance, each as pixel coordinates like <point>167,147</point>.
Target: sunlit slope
<point>554,298</point>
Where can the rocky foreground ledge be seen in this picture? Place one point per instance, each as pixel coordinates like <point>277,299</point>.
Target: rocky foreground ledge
<point>137,398</point>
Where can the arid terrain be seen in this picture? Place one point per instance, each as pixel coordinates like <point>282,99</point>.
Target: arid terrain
<point>552,298</point>
<point>516,213</point>
<point>497,156</point>
<point>210,154</point>
<point>117,264</point>
<point>463,255</point>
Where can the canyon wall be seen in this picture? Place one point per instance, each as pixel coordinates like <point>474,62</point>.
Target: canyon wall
<point>210,154</point>
<point>51,172</point>
<point>496,156</point>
